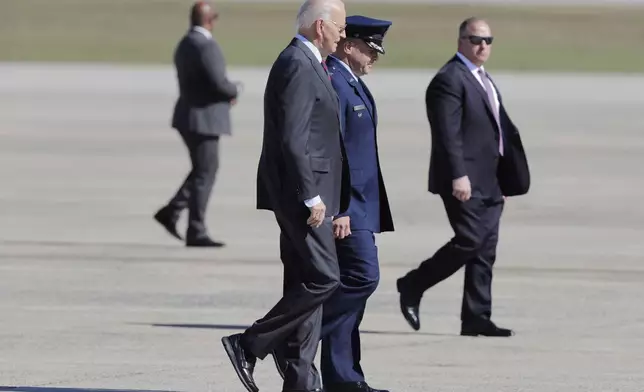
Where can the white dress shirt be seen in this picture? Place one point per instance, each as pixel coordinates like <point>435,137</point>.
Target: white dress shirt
<point>203,31</point>
<point>310,45</point>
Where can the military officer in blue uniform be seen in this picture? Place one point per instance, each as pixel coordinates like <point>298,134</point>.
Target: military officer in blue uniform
<point>368,211</point>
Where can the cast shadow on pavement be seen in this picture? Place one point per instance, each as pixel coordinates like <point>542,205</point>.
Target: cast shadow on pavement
<point>4,388</point>
<point>243,327</point>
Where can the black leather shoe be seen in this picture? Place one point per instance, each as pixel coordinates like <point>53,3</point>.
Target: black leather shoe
<point>484,328</point>
<point>204,242</point>
<point>242,360</point>
<point>166,219</point>
<point>359,386</point>
<point>409,306</point>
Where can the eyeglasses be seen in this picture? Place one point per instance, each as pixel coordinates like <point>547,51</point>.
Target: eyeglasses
<point>340,28</point>
<point>477,39</point>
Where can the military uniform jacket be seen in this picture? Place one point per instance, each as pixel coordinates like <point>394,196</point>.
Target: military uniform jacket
<point>369,205</point>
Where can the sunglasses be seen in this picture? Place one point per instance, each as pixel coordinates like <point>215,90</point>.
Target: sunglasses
<point>477,39</point>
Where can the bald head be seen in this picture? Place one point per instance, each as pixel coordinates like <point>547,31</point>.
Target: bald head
<point>203,14</point>
<point>463,28</point>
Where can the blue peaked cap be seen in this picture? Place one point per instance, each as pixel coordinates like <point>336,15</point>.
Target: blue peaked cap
<point>370,30</point>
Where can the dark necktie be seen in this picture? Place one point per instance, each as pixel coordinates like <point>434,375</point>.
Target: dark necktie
<point>492,101</point>
<point>326,69</point>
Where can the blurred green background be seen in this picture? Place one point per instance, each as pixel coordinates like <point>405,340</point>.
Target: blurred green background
<point>422,36</point>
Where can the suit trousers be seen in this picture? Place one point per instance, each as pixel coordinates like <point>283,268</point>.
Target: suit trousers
<point>311,275</point>
<point>359,275</point>
<point>195,191</point>
<point>476,233</point>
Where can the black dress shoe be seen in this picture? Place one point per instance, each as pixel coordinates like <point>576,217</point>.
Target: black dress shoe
<point>359,386</point>
<point>167,219</point>
<point>409,306</point>
<point>484,328</point>
<point>242,360</point>
<point>204,242</point>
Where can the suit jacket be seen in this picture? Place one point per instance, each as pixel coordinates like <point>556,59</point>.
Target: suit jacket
<point>369,206</point>
<point>465,137</point>
<point>203,106</point>
<point>302,151</point>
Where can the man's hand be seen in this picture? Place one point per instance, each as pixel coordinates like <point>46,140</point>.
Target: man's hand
<point>240,88</point>
<point>317,215</point>
<point>233,101</point>
<point>461,188</point>
<point>341,227</point>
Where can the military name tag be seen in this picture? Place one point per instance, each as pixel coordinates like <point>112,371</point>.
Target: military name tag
<point>359,107</point>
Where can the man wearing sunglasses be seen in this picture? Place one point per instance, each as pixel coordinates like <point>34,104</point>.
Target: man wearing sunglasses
<point>201,115</point>
<point>477,159</point>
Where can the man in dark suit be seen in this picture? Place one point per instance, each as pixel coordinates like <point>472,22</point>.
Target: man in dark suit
<point>368,211</point>
<point>303,178</point>
<point>477,159</point>
<point>201,115</point>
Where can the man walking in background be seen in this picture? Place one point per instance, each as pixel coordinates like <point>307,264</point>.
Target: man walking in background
<point>477,159</point>
<point>201,115</point>
<point>303,178</point>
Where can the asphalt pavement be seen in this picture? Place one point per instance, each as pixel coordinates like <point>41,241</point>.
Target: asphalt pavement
<point>94,296</point>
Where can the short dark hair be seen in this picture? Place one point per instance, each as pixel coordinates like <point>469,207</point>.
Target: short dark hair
<point>462,28</point>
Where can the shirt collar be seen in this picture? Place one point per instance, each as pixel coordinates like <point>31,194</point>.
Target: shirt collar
<point>345,65</point>
<point>470,65</point>
<point>310,45</point>
<point>203,31</point>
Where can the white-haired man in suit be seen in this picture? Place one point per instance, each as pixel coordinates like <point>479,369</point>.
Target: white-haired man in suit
<point>303,178</point>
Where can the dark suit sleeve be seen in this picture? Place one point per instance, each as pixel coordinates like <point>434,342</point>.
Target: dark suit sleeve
<point>343,106</point>
<point>444,102</point>
<point>215,66</point>
<point>343,124</point>
<point>298,98</point>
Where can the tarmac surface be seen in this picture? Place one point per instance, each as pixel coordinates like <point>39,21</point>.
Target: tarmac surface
<point>94,296</point>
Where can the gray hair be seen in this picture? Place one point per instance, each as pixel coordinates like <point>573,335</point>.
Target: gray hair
<point>312,10</point>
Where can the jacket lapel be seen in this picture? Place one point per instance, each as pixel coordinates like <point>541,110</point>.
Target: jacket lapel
<point>317,66</point>
<point>374,114</point>
<point>474,82</point>
<point>353,82</point>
